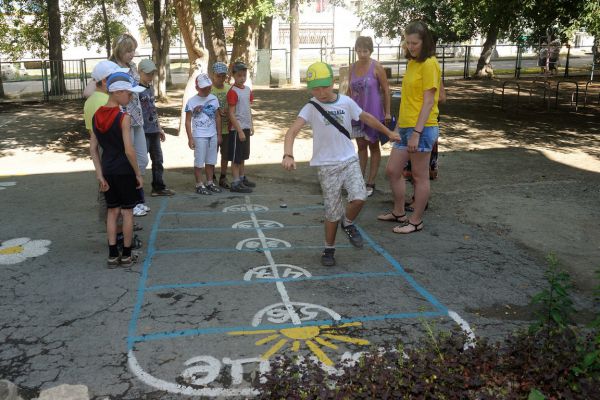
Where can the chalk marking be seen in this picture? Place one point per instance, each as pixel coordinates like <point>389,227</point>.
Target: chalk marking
<point>266,272</point>
<point>246,207</point>
<point>261,242</point>
<point>259,249</point>
<point>4,185</point>
<point>17,250</point>
<point>262,223</point>
<point>464,325</point>
<point>237,229</point>
<point>212,213</point>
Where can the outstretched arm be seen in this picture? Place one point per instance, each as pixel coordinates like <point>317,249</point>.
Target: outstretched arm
<point>288,145</point>
<point>95,153</point>
<point>375,124</point>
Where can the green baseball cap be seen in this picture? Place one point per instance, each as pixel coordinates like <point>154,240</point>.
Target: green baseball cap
<point>319,74</point>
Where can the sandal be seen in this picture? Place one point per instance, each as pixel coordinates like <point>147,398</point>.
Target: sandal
<point>370,189</point>
<point>411,227</point>
<point>408,207</point>
<point>391,217</point>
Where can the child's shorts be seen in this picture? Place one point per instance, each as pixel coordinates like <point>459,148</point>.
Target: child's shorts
<point>121,192</point>
<point>205,151</point>
<point>238,150</point>
<point>333,179</point>
<point>428,137</point>
<point>225,146</point>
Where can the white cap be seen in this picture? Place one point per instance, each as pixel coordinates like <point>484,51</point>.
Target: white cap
<point>203,81</point>
<point>122,81</point>
<point>104,68</point>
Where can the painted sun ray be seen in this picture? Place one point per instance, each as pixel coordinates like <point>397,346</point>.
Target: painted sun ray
<point>296,345</point>
<point>326,343</point>
<point>319,353</point>
<point>238,333</point>
<point>347,339</point>
<point>274,349</point>
<point>346,325</point>
<point>267,339</point>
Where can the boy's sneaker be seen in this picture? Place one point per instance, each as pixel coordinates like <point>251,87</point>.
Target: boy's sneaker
<point>213,188</point>
<point>327,257</point>
<point>139,211</point>
<point>113,262</point>
<point>162,192</point>
<point>202,190</point>
<point>239,187</point>
<point>223,183</point>
<point>353,234</point>
<point>144,207</point>
<point>248,183</point>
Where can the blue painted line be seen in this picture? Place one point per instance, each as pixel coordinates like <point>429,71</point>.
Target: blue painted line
<point>238,229</point>
<point>420,289</point>
<point>277,327</point>
<point>355,275</point>
<point>231,250</point>
<point>142,284</point>
<point>213,213</point>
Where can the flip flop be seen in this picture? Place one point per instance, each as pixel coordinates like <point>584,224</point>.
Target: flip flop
<point>391,217</point>
<point>415,228</point>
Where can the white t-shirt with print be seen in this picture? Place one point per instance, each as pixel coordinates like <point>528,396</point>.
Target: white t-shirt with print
<point>330,146</point>
<point>204,110</point>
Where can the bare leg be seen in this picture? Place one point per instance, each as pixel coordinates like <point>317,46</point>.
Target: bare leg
<point>224,163</point>
<point>375,161</point>
<point>111,225</point>
<point>127,227</point>
<point>235,171</point>
<point>330,231</point>
<point>242,169</point>
<point>210,171</point>
<point>198,175</point>
<point>420,173</point>
<point>353,209</point>
<point>363,154</point>
<point>396,163</point>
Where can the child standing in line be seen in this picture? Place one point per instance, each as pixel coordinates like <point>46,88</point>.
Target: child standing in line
<point>241,128</point>
<point>203,127</point>
<point>152,129</point>
<point>333,154</point>
<point>123,52</point>
<point>119,175</point>
<point>220,88</point>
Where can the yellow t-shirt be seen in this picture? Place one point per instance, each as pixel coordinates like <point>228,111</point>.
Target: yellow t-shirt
<point>222,96</point>
<point>420,76</point>
<point>93,103</point>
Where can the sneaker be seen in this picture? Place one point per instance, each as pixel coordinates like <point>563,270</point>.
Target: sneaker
<point>202,190</point>
<point>137,227</point>
<point>370,189</point>
<point>138,211</point>
<point>248,183</point>
<point>213,188</point>
<point>144,207</point>
<point>129,261</point>
<point>136,243</point>
<point>240,188</point>
<point>223,183</point>
<point>113,262</point>
<point>162,192</point>
<point>327,257</point>
<point>353,234</point>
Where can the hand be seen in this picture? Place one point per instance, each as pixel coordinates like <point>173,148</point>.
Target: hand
<point>413,142</point>
<point>191,143</point>
<point>162,135</point>
<point>223,113</point>
<point>394,136</point>
<point>242,136</point>
<point>103,185</point>
<point>219,139</point>
<point>387,119</point>
<point>140,181</point>
<point>288,163</point>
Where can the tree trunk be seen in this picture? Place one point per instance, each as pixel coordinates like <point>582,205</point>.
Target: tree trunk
<point>244,39</point>
<point>2,95</point>
<point>596,53</point>
<point>159,31</point>
<point>294,43</point>
<point>214,32</point>
<point>264,34</point>
<point>57,75</point>
<point>484,67</point>
<point>187,27</point>
<point>106,29</point>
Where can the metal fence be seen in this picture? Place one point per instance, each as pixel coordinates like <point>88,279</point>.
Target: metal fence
<point>41,79</point>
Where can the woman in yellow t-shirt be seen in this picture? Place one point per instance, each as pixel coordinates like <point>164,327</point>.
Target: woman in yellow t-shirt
<point>418,127</point>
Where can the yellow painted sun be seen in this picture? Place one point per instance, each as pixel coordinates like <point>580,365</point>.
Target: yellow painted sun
<point>314,337</point>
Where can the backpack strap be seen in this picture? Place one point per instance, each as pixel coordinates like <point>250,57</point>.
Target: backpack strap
<point>332,120</point>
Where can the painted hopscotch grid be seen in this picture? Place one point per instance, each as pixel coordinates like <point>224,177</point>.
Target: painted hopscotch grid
<point>290,316</point>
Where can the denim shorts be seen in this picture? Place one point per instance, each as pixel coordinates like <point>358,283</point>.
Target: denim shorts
<point>426,141</point>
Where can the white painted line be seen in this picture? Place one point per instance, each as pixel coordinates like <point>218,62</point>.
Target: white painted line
<point>464,325</point>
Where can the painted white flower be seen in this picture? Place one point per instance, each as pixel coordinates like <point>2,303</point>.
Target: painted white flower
<point>4,185</point>
<point>18,250</point>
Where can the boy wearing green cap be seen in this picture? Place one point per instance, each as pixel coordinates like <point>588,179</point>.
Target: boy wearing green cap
<point>333,154</point>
